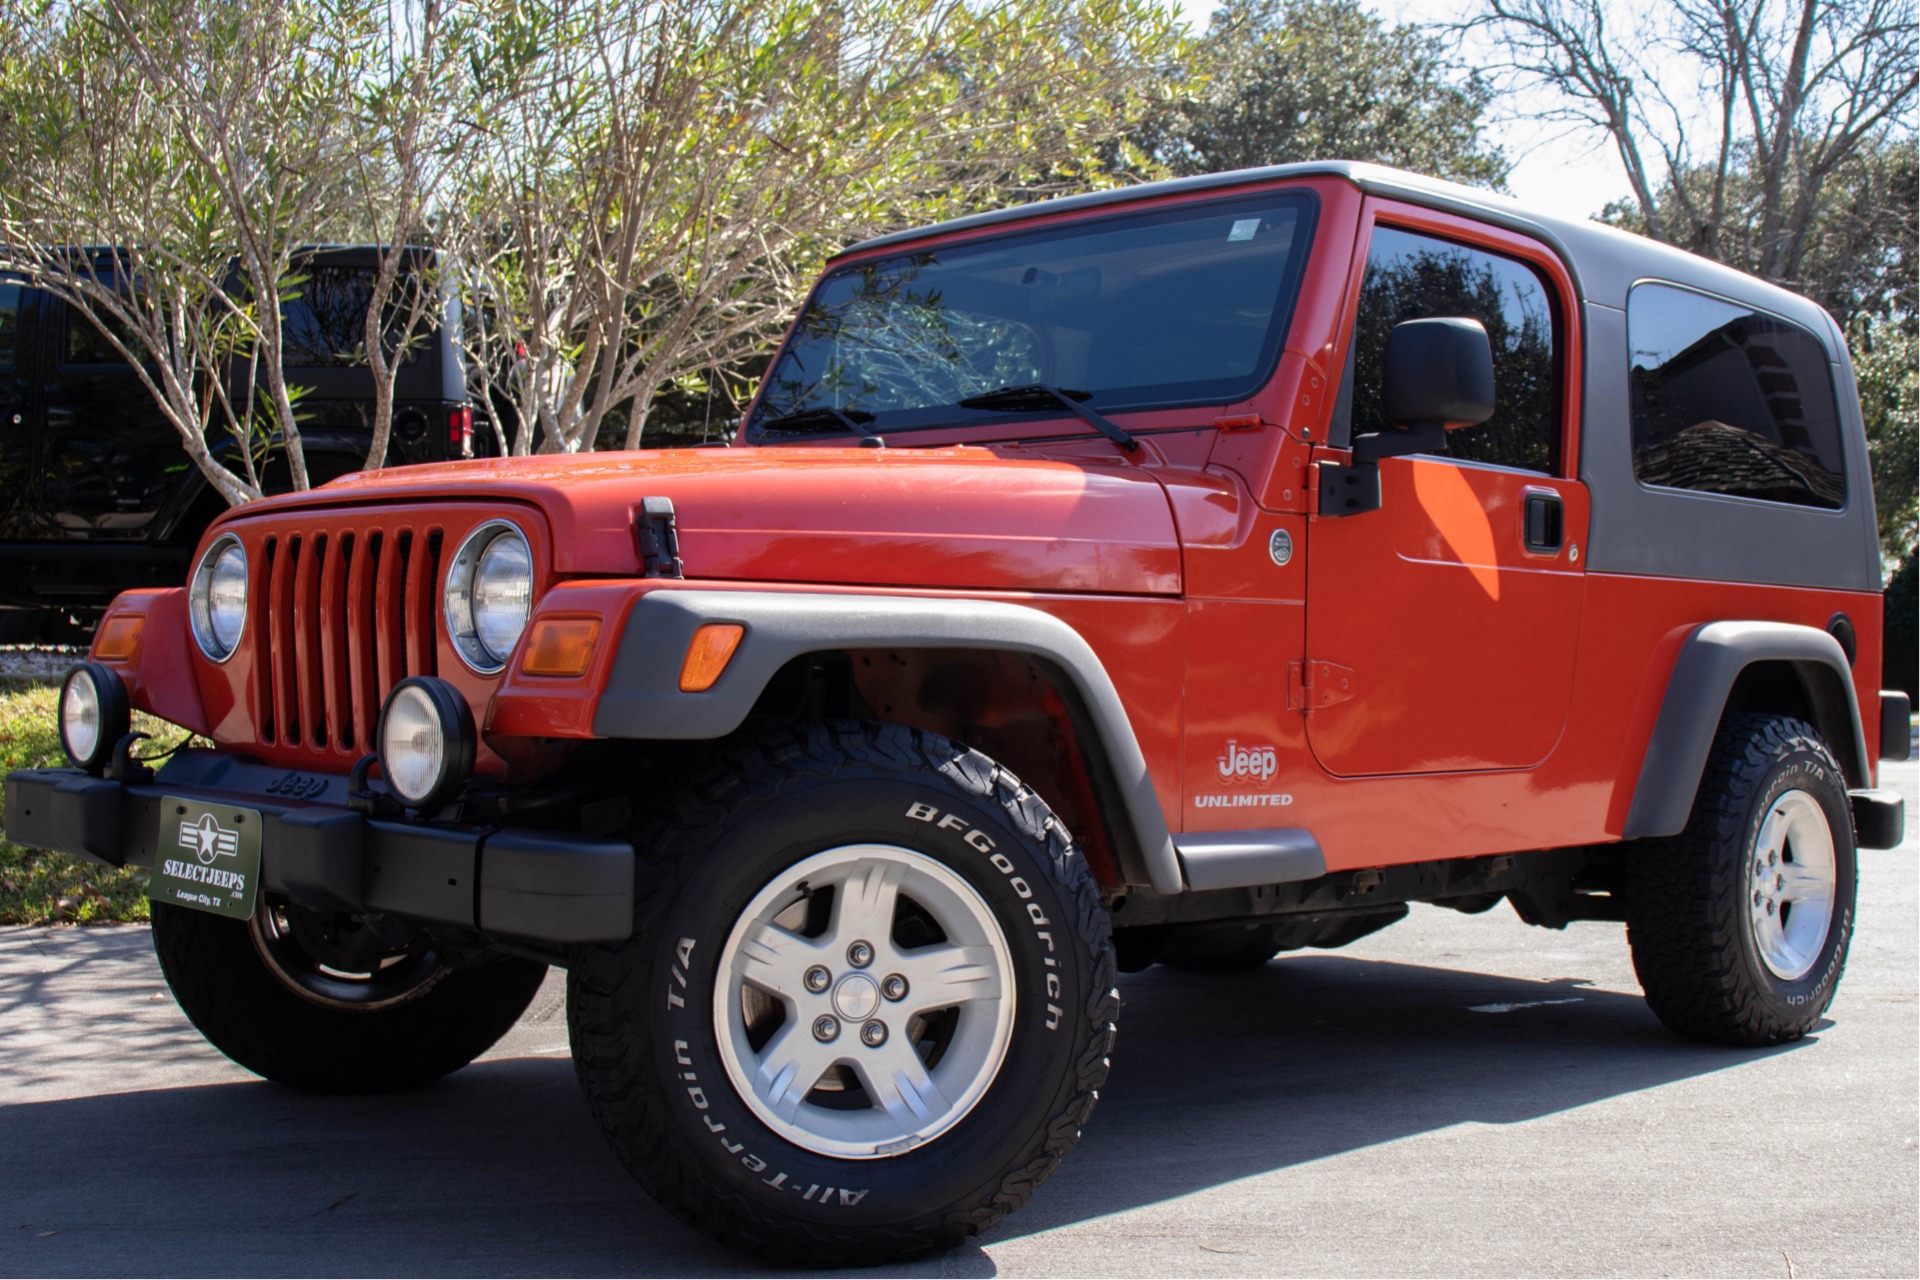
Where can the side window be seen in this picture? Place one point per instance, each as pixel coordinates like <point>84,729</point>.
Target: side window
<point>87,345</point>
<point>1414,277</point>
<point>324,323</point>
<point>9,323</point>
<point>1731,401</point>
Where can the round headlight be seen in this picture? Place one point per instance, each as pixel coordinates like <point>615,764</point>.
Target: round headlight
<point>217,599</point>
<point>426,742</point>
<point>94,715</point>
<point>489,595</point>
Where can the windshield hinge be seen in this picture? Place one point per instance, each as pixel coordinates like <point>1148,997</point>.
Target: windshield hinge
<point>1312,684</point>
<point>657,539</point>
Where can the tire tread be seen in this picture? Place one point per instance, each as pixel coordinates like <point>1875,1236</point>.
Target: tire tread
<point>606,1052</point>
<point>1685,895</point>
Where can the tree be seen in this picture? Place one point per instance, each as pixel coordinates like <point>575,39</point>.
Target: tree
<point>1294,80</point>
<point>404,90</point>
<point>1886,364</point>
<point>1743,126</point>
<point>654,182</point>
<point>195,144</point>
<point>201,146</point>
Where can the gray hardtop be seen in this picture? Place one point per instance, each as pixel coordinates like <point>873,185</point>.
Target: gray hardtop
<point>1605,261</point>
<point>1636,528</point>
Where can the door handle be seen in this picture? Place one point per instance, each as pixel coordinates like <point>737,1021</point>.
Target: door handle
<point>1544,521</point>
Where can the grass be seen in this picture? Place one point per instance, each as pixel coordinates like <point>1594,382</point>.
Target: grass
<point>53,888</point>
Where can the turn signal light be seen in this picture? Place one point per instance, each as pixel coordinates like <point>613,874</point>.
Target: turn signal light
<point>119,638</point>
<point>708,655</point>
<point>560,646</point>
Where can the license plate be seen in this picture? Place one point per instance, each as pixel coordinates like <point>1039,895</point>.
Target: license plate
<point>207,857</point>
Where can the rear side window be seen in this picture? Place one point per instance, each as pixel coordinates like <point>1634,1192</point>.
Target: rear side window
<point>9,323</point>
<point>1417,277</point>
<point>1731,401</point>
<point>324,323</point>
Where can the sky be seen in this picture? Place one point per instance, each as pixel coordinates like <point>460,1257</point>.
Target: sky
<point>1571,174</point>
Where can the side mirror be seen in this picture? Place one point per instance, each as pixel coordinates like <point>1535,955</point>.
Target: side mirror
<point>1438,371</point>
<point>1438,377</point>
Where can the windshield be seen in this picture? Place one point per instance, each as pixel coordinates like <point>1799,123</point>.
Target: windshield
<point>1186,305</point>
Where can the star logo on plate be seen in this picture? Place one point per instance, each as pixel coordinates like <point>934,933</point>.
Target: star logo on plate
<point>207,840</point>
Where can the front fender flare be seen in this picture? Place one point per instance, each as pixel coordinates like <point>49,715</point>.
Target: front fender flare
<point>1710,661</point>
<point>643,697</point>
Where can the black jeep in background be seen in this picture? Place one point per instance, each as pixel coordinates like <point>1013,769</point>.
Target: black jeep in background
<point>96,493</point>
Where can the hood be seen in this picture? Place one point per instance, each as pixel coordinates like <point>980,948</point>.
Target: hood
<point>958,518</point>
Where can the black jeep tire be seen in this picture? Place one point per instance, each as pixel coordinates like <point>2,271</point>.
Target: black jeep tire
<point>249,1012</point>
<point>1695,903</point>
<point>654,1048</point>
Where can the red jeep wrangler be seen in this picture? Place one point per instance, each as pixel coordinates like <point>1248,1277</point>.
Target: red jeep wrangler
<point>1174,575</point>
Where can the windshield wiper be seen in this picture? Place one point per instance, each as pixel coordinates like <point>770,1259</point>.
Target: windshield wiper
<point>828,417</point>
<point>1043,396</point>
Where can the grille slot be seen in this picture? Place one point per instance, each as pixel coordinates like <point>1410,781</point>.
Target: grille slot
<point>344,616</point>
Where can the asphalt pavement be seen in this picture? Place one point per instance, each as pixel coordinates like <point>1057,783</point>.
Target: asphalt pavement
<point>1454,1096</point>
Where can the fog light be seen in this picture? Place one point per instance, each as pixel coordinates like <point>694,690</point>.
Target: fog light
<point>94,715</point>
<point>426,742</point>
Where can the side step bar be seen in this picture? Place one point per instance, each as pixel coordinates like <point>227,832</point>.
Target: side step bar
<point>1247,859</point>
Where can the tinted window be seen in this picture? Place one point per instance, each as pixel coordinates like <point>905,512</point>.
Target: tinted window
<point>87,345</point>
<point>9,323</point>
<point>1415,277</point>
<point>1727,400</point>
<point>324,323</point>
<point>1184,305</point>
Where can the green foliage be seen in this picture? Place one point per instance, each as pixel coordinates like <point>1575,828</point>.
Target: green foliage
<point>1858,253</point>
<point>1886,364</point>
<point>49,888</point>
<point>655,182</point>
<point>1292,80</point>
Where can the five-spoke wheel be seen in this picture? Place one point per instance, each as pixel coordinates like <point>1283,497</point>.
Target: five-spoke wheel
<point>1790,904</point>
<point>866,1003</point>
<point>1740,924</point>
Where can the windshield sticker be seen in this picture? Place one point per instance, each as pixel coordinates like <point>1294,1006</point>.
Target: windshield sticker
<point>1243,229</point>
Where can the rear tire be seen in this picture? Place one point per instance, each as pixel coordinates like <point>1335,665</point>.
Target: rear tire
<point>1740,925</point>
<point>269,994</point>
<point>843,882</point>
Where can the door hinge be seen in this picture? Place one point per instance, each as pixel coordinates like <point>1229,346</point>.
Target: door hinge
<point>657,539</point>
<point>1313,684</point>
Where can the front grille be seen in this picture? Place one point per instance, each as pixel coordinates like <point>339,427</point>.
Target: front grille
<point>344,615</point>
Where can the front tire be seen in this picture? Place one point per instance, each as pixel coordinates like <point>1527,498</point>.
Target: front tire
<point>867,1004</point>
<point>309,1000</point>
<point>1740,925</point>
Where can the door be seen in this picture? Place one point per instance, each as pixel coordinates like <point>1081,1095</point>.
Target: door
<point>1441,628</point>
<point>111,456</point>
<point>19,407</point>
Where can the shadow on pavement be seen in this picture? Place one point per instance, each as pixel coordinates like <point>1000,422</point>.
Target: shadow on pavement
<point>500,1170</point>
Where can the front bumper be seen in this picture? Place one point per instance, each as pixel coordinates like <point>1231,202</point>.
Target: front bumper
<point>534,886</point>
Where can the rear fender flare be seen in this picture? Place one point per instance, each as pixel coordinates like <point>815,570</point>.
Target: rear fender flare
<point>643,697</point>
<point>1710,662</point>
